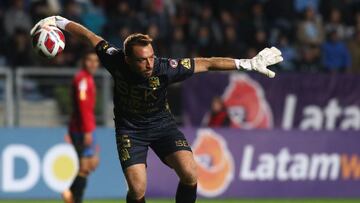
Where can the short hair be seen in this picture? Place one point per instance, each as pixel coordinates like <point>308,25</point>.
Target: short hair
<point>134,40</point>
<point>86,54</point>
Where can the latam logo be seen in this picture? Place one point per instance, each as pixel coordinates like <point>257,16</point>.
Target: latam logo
<point>218,166</point>
<point>215,163</point>
<point>287,166</point>
<point>246,103</point>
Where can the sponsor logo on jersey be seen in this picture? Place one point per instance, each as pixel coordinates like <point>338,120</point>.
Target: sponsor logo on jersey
<point>186,63</point>
<point>215,163</point>
<point>246,103</point>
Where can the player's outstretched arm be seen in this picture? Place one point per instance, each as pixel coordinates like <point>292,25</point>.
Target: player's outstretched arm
<point>73,28</point>
<point>259,63</point>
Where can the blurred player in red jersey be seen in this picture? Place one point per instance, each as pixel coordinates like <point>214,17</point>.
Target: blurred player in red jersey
<point>82,125</point>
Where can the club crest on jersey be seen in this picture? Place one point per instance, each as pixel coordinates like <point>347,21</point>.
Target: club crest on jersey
<point>154,82</point>
<point>186,63</point>
<point>105,46</point>
<point>173,63</point>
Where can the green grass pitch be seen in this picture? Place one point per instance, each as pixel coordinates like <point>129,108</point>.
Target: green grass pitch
<point>204,201</point>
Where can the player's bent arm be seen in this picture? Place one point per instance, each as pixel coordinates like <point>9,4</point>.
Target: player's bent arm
<point>83,33</point>
<point>73,28</point>
<point>259,63</point>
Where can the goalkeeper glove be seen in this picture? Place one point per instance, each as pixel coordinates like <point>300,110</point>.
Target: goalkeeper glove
<point>260,63</point>
<point>56,21</point>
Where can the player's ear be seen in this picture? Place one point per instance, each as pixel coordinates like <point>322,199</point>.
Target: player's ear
<point>127,59</point>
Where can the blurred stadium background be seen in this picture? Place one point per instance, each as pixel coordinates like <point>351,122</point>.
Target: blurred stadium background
<point>294,137</point>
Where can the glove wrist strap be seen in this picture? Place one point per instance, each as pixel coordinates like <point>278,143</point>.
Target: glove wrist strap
<point>243,64</point>
<point>61,22</point>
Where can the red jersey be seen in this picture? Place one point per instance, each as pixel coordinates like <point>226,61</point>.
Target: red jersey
<point>219,119</point>
<point>83,98</point>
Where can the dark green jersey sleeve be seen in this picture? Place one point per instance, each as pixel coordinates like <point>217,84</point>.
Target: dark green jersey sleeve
<point>109,56</point>
<point>177,70</point>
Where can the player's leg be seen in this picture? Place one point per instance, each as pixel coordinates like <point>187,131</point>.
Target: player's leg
<point>173,149</point>
<point>88,161</point>
<point>185,167</point>
<point>76,191</point>
<point>132,152</point>
<point>136,179</point>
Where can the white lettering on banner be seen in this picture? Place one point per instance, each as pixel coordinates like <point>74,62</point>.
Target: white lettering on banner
<point>19,151</point>
<point>324,166</point>
<point>314,117</point>
<point>285,166</point>
<point>352,118</point>
<point>289,111</point>
<point>59,167</point>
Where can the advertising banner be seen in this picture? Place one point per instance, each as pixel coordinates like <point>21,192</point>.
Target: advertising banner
<point>38,163</point>
<point>231,163</point>
<point>261,164</point>
<point>288,101</point>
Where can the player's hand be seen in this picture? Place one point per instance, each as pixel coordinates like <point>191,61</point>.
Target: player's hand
<point>260,63</point>
<point>56,21</point>
<point>88,139</point>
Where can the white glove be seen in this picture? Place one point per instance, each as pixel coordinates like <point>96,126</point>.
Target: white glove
<point>56,21</point>
<point>259,63</point>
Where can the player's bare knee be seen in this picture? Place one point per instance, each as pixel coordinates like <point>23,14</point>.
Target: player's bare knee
<point>189,175</point>
<point>84,171</point>
<point>94,165</point>
<point>137,191</point>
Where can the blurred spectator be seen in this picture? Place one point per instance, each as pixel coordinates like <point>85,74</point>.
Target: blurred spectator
<point>20,53</point>
<point>178,46</point>
<point>226,19</point>
<point>206,21</point>
<point>302,5</point>
<point>40,10</point>
<point>310,29</point>
<point>16,18</point>
<point>250,53</point>
<point>288,53</point>
<point>118,38</point>
<point>93,17</point>
<point>354,48</point>
<point>158,43</point>
<point>231,47</point>
<point>72,11</point>
<point>309,60</point>
<point>219,116</point>
<point>260,40</point>
<point>336,56</point>
<point>197,28</point>
<point>336,23</point>
<point>203,43</point>
<point>258,18</point>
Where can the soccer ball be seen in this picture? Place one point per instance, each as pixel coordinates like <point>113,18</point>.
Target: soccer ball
<point>48,41</point>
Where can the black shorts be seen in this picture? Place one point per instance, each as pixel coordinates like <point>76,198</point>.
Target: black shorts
<point>77,140</point>
<point>133,147</point>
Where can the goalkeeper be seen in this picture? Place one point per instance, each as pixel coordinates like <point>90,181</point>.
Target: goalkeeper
<point>142,115</point>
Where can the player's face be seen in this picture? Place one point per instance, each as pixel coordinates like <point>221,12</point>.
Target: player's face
<point>91,63</point>
<point>142,60</point>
